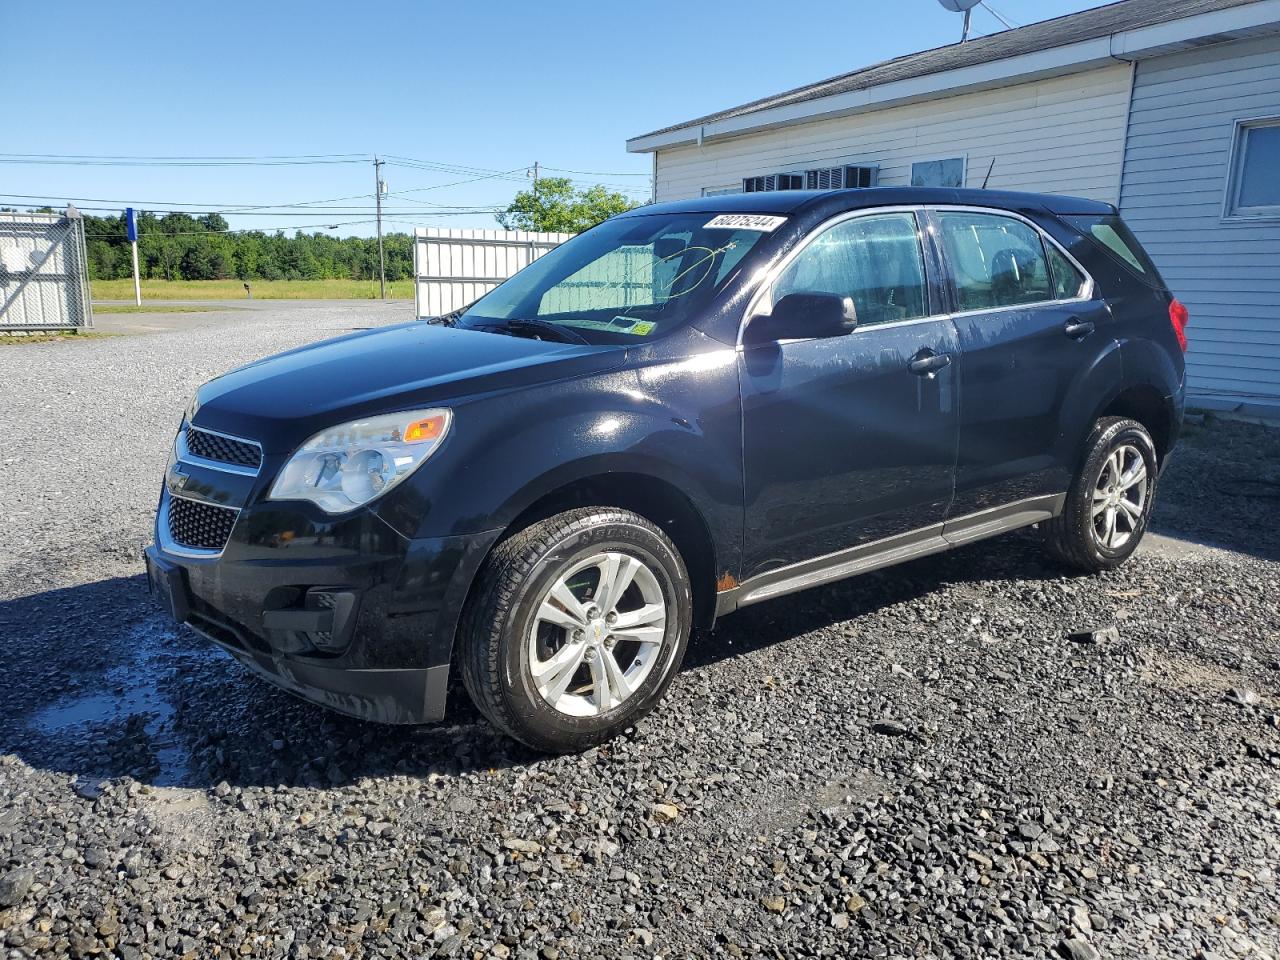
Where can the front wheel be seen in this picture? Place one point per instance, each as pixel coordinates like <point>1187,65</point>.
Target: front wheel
<point>578,624</point>
<point>1109,503</point>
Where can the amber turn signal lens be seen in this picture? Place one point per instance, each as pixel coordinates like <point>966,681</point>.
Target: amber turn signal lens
<point>420,430</point>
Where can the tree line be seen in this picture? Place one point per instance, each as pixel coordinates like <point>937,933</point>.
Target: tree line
<point>185,246</point>
<point>181,246</point>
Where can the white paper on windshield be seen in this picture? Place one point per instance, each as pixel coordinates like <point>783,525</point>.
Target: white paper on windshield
<point>746,221</point>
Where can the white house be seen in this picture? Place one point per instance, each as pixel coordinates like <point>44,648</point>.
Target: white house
<point>1169,109</point>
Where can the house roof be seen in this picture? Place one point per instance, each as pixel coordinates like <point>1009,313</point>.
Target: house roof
<point>1036,37</point>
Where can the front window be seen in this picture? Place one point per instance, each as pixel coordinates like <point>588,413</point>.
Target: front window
<point>875,261</point>
<point>629,279</point>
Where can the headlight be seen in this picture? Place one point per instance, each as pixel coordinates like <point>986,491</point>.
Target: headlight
<point>348,465</point>
<point>192,406</point>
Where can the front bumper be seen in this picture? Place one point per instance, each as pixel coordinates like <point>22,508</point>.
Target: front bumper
<point>346,612</point>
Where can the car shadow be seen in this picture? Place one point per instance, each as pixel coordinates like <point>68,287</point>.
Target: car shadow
<point>1221,488</point>
<point>102,685</point>
<point>1015,556</point>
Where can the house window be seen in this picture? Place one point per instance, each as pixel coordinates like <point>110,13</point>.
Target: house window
<point>1254,187</point>
<point>938,173</point>
<point>721,191</point>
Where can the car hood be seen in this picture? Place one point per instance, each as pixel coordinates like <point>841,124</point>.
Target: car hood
<point>284,399</point>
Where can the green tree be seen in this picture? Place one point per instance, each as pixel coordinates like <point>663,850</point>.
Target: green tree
<point>553,206</point>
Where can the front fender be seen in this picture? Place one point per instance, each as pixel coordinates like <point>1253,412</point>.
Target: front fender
<point>676,422</point>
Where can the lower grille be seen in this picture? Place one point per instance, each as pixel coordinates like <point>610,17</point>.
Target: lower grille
<point>201,526</point>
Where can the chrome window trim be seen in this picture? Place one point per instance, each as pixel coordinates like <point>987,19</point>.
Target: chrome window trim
<point>1090,287</point>
<point>772,273</point>
<point>171,546</point>
<point>185,455</point>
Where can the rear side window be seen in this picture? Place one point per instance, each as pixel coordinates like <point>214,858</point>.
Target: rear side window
<point>1114,236</point>
<point>875,260</point>
<point>996,261</point>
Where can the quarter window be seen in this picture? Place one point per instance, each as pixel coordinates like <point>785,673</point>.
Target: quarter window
<point>996,261</point>
<point>1254,187</point>
<point>1068,282</point>
<point>876,261</point>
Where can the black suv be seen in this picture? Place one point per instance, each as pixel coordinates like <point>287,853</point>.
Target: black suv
<point>690,408</point>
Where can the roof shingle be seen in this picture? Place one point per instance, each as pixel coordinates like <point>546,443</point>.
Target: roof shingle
<point>1061,31</point>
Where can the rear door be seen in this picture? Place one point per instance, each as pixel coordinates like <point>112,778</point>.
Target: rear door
<point>1033,333</point>
<point>851,439</point>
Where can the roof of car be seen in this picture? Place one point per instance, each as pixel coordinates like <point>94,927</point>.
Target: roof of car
<point>1045,35</point>
<point>834,201</point>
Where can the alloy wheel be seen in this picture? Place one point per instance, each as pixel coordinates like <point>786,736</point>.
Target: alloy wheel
<point>1120,497</point>
<point>597,634</point>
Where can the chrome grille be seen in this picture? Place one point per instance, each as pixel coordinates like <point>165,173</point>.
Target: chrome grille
<point>214,446</point>
<point>201,526</point>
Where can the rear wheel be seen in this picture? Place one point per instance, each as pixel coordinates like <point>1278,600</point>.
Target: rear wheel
<point>578,625</point>
<point>1110,502</point>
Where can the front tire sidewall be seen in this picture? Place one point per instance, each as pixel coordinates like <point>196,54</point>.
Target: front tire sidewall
<point>530,710</point>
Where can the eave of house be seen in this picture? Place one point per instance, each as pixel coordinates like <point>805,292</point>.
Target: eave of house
<point>1130,45</point>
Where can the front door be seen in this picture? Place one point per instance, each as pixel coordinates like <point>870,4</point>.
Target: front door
<point>851,439</point>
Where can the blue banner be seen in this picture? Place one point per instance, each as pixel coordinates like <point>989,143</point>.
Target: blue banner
<point>130,224</point>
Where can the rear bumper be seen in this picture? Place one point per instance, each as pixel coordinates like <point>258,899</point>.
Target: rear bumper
<point>358,619</point>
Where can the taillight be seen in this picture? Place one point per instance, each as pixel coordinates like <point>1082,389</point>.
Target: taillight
<point>1178,319</point>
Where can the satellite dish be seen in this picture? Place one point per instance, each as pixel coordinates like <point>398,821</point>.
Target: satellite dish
<point>961,6</point>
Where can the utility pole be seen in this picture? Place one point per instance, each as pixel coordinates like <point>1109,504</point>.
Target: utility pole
<point>535,178</point>
<point>378,189</point>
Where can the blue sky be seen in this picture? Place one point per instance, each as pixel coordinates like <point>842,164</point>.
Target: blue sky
<point>464,86</point>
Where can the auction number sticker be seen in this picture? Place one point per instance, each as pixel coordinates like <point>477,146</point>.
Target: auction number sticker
<point>745,221</point>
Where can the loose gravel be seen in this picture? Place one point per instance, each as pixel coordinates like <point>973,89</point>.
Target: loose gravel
<point>972,755</point>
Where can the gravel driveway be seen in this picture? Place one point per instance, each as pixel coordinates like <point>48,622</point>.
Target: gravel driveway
<point>948,759</point>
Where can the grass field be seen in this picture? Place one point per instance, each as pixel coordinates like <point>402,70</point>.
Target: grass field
<point>149,308</point>
<point>262,290</point>
<point>46,336</point>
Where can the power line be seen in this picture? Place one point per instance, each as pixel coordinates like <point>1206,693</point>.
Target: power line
<point>196,156</point>
<point>596,173</point>
<point>88,203</point>
<point>205,233</point>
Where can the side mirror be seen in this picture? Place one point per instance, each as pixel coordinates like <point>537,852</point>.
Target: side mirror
<point>803,316</point>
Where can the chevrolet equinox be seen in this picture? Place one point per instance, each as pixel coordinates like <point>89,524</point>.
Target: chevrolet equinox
<point>690,408</point>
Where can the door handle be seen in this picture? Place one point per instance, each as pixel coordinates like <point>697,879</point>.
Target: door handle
<point>926,363</point>
<point>1078,329</point>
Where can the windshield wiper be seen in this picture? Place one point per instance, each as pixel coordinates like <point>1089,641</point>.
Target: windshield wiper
<point>563,334</point>
<point>448,319</point>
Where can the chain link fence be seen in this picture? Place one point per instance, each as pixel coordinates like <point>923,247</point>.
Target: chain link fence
<point>44,273</point>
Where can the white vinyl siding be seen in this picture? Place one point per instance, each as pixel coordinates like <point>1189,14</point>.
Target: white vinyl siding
<point>1061,135</point>
<point>1176,175</point>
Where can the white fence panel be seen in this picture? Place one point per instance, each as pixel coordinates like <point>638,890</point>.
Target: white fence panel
<point>44,281</point>
<point>452,268</point>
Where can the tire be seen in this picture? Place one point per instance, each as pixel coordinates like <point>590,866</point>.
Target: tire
<point>1081,537</point>
<point>513,627</point>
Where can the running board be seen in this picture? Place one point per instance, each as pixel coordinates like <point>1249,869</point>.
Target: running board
<point>893,550</point>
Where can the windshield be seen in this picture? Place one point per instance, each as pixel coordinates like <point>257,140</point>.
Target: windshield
<point>627,280</point>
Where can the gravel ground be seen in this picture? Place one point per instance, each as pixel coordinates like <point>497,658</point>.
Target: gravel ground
<point>954,758</point>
